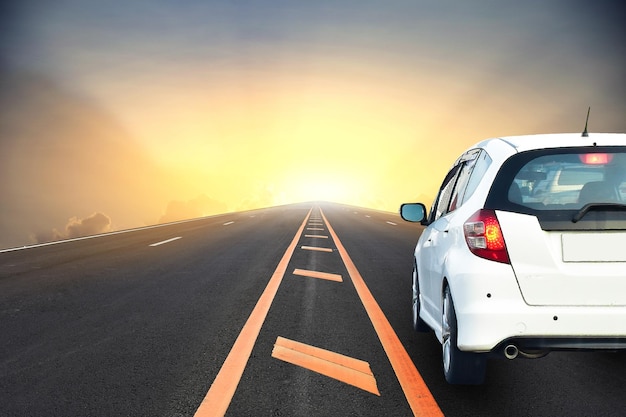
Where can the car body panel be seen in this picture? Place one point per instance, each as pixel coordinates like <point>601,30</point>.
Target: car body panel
<point>545,278</point>
<point>556,140</point>
<point>562,288</point>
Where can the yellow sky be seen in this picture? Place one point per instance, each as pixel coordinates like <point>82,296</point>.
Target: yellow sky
<point>333,136</point>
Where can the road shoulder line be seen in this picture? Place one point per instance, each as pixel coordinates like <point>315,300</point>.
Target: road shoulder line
<point>418,395</point>
<point>219,396</point>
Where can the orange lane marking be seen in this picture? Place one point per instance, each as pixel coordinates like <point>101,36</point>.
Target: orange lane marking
<point>316,248</point>
<point>319,236</point>
<point>349,370</point>
<point>220,394</point>
<point>316,274</point>
<point>415,390</point>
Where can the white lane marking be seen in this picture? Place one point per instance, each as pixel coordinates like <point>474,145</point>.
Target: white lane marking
<point>166,241</point>
<point>117,232</point>
<point>227,223</point>
<point>368,216</point>
<point>391,223</point>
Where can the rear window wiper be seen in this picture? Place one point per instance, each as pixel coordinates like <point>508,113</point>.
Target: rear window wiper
<point>597,206</point>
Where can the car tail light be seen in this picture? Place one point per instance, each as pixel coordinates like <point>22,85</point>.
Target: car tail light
<point>484,236</point>
<point>596,158</point>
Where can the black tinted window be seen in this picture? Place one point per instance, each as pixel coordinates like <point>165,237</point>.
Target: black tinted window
<point>555,183</point>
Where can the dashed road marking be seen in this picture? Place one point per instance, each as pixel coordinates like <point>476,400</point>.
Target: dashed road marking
<point>317,274</point>
<point>227,223</point>
<point>166,241</point>
<point>316,248</point>
<point>343,368</point>
<point>391,223</point>
<point>349,370</point>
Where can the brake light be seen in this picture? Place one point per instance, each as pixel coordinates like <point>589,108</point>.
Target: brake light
<point>484,236</point>
<point>596,158</point>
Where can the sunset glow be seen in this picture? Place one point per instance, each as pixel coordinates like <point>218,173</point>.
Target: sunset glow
<point>157,112</point>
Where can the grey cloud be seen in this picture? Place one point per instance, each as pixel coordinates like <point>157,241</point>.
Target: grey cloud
<point>94,224</point>
<point>76,227</point>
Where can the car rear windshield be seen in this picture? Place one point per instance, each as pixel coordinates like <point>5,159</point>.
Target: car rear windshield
<point>556,184</point>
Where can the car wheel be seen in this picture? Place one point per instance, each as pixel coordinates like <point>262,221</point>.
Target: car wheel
<point>418,324</point>
<point>458,367</point>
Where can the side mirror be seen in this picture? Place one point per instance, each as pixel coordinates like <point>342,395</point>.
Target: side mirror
<point>413,212</point>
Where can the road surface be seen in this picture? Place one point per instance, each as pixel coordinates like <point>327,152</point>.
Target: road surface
<point>298,310</point>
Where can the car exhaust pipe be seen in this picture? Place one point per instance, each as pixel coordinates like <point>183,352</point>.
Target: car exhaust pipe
<point>511,352</point>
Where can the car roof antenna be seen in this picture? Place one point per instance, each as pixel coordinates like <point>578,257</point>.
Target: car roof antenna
<point>585,134</point>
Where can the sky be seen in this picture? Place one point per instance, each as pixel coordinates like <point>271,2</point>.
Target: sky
<point>119,114</point>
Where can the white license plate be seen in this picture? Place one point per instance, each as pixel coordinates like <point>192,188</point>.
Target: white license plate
<point>594,247</point>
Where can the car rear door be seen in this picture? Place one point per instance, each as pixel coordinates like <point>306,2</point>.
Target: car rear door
<point>567,244</point>
<point>565,268</point>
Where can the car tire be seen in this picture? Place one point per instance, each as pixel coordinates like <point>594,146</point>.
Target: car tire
<point>418,324</point>
<point>465,368</point>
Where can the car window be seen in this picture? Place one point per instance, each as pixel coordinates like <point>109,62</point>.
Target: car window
<point>569,181</point>
<point>465,172</point>
<point>442,202</point>
<point>483,160</point>
<point>557,184</point>
<point>453,189</point>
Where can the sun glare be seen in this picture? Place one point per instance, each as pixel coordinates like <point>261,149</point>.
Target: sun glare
<point>334,188</point>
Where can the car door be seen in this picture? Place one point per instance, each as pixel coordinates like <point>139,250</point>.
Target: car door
<point>431,241</point>
<point>437,241</point>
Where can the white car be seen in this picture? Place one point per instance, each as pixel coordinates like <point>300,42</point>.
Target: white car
<point>524,251</point>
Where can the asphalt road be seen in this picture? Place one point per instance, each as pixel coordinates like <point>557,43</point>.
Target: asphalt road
<point>112,326</point>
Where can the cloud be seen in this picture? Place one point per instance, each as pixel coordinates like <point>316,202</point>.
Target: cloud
<point>62,153</point>
<point>198,207</point>
<point>92,225</point>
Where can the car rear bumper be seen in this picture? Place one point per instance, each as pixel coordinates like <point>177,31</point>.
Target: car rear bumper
<point>491,312</point>
<point>553,328</point>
